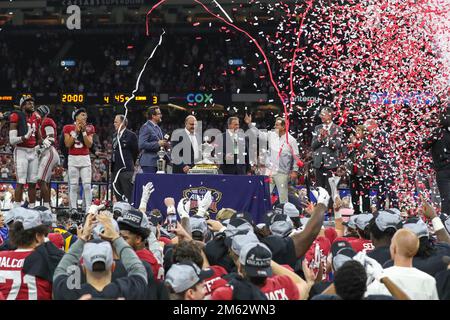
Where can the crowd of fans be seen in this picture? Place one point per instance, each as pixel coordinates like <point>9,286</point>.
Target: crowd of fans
<point>290,255</point>
<point>182,64</point>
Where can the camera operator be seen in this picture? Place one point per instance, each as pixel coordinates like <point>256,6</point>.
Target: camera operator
<point>439,143</point>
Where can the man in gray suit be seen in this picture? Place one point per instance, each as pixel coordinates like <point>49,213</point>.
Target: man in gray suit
<point>326,145</point>
<point>151,139</point>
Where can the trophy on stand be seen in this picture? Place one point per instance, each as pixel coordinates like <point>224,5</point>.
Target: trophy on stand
<point>207,165</point>
<point>161,163</point>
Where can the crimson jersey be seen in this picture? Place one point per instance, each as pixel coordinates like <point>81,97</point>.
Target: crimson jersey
<point>280,288</point>
<point>362,245</point>
<point>34,121</point>
<point>15,285</point>
<point>275,288</point>
<point>78,148</point>
<point>218,273</point>
<point>146,255</point>
<point>324,249</point>
<point>348,239</point>
<point>48,122</point>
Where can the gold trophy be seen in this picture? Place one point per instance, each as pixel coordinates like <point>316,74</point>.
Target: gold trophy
<point>208,163</point>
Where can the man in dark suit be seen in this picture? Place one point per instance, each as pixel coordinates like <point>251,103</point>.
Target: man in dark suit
<point>234,151</point>
<point>122,163</point>
<point>186,150</point>
<point>326,146</point>
<point>151,139</point>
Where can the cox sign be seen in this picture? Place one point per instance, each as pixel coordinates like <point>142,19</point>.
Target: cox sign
<point>199,98</point>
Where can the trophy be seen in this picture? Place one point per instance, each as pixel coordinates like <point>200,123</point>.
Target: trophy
<point>207,165</point>
<point>161,163</point>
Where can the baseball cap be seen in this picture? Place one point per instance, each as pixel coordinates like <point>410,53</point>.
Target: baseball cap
<point>351,223</point>
<point>241,239</point>
<point>98,229</point>
<point>290,210</point>
<point>281,225</point>
<point>341,252</point>
<point>29,218</point>
<point>256,258</point>
<point>97,251</point>
<point>278,209</point>
<point>43,110</point>
<point>133,218</point>
<point>47,217</point>
<point>235,225</point>
<point>394,211</point>
<point>416,225</point>
<point>184,275</point>
<point>120,207</point>
<point>385,220</point>
<point>198,224</point>
<point>24,99</point>
<point>9,216</point>
<point>243,215</point>
<point>362,220</point>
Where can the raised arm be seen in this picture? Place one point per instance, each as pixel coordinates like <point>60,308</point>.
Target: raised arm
<point>303,240</point>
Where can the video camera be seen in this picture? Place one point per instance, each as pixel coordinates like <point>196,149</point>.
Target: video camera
<point>5,115</point>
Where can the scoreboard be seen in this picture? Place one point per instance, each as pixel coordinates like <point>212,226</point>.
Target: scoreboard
<point>75,98</point>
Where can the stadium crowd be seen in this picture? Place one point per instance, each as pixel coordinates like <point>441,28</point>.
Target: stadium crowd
<point>54,245</point>
<point>369,251</point>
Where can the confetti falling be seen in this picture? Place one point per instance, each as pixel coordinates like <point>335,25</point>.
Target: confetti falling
<point>387,60</point>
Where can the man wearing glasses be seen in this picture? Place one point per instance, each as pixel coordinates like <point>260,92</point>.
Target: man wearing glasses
<point>151,139</point>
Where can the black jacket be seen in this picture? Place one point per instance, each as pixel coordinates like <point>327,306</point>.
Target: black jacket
<point>243,154</point>
<point>43,261</point>
<point>130,151</point>
<point>439,143</point>
<point>178,152</point>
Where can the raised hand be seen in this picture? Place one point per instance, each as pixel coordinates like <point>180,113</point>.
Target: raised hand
<point>184,207</point>
<point>203,204</point>
<point>248,119</point>
<point>322,196</point>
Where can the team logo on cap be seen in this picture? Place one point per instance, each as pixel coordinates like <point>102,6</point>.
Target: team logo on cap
<point>197,193</point>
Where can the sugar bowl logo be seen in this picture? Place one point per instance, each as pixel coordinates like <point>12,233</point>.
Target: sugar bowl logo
<point>197,193</point>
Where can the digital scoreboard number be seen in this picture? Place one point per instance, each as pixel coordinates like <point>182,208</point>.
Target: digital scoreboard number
<point>72,98</point>
<point>123,98</point>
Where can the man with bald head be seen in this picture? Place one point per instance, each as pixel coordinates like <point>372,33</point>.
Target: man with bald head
<point>416,284</point>
<point>185,146</point>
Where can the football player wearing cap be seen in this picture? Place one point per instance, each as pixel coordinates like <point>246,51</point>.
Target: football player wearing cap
<point>23,134</point>
<point>135,229</point>
<point>382,228</point>
<point>78,138</point>
<point>363,242</point>
<point>98,265</point>
<point>191,251</point>
<point>255,265</point>
<point>185,281</point>
<point>49,157</point>
<point>27,233</point>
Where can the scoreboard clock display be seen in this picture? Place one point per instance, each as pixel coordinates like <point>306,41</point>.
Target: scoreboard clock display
<point>77,98</point>
<point>72,98</point>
